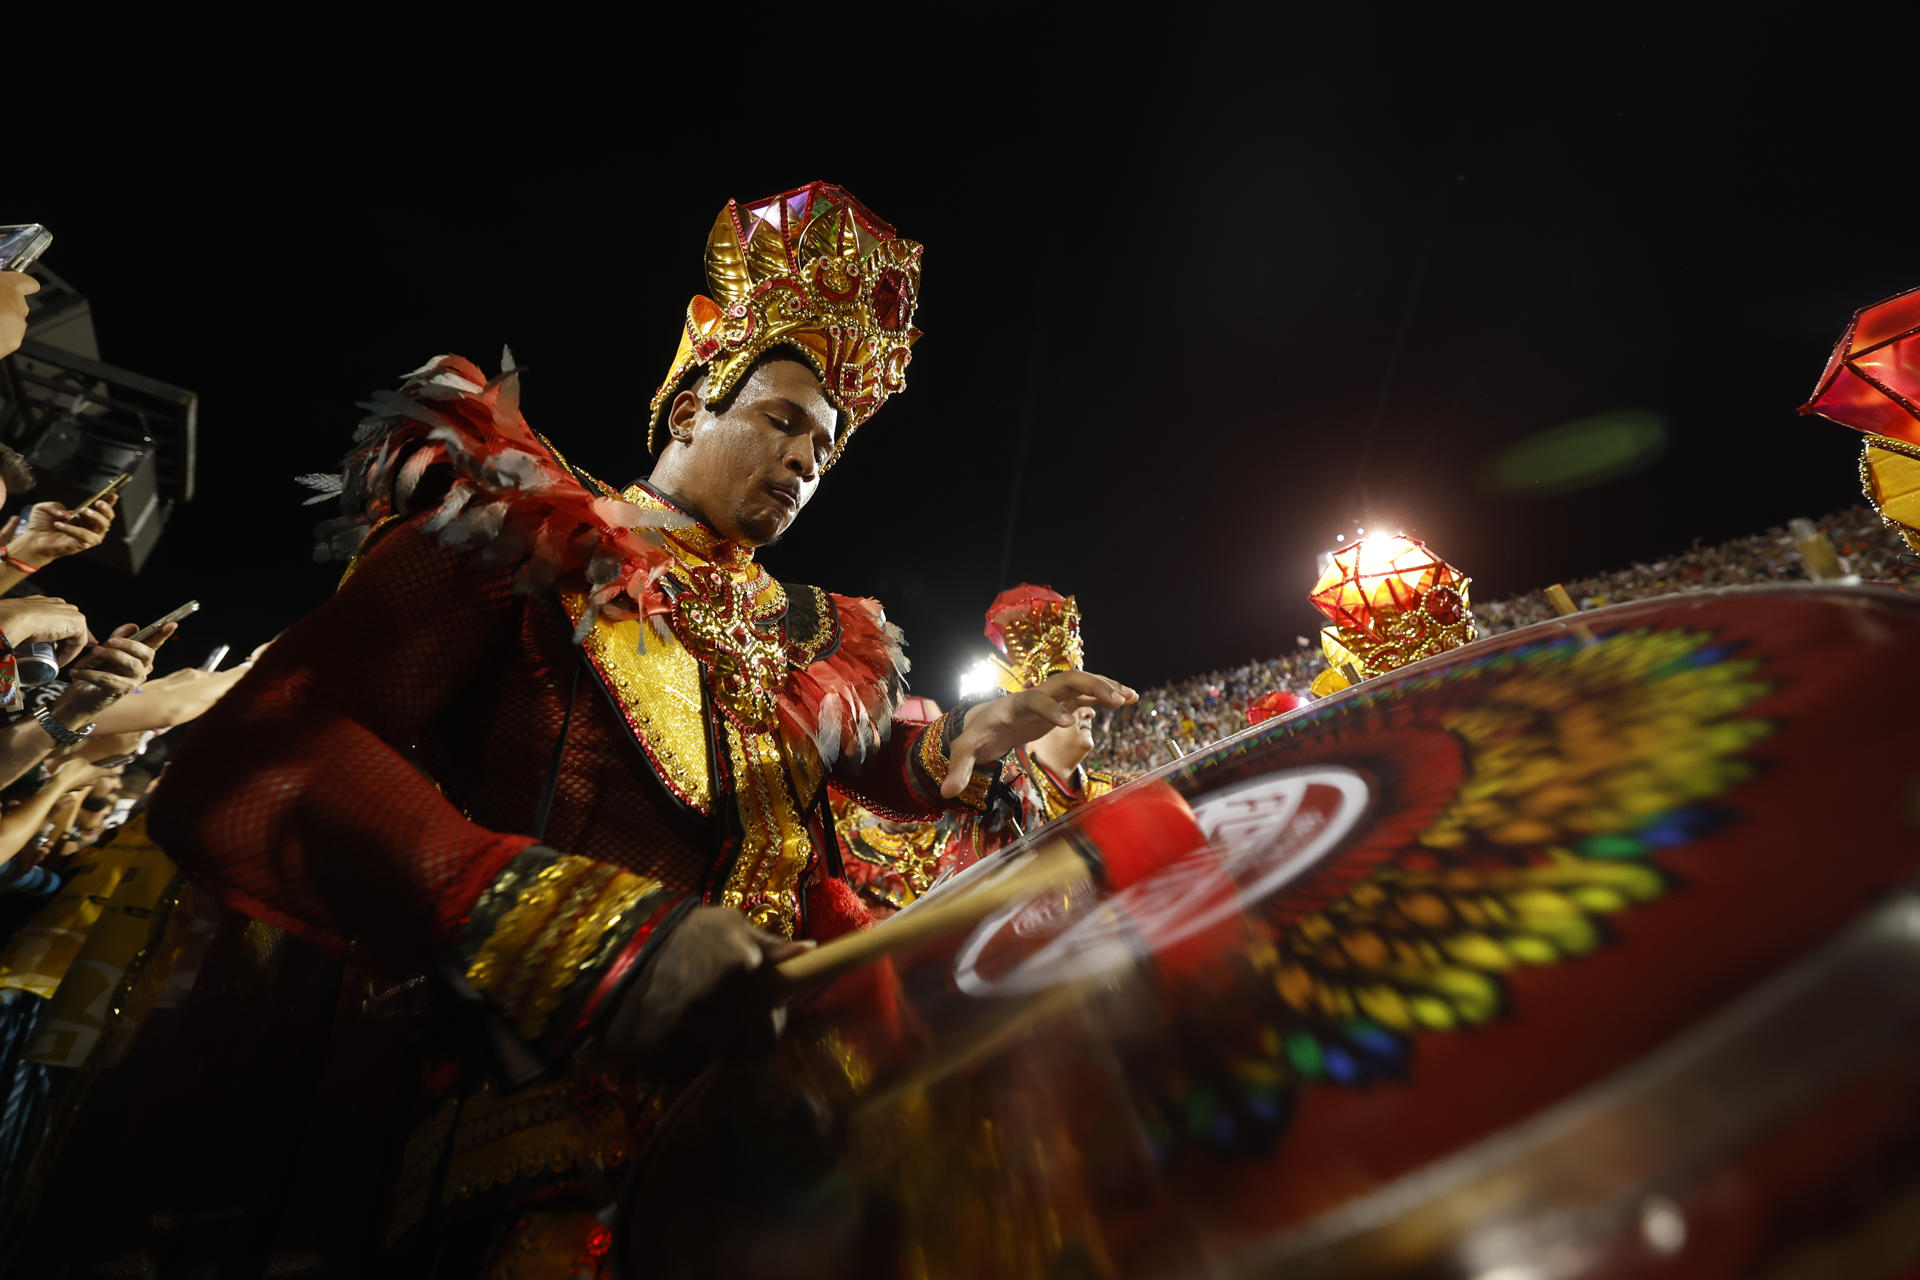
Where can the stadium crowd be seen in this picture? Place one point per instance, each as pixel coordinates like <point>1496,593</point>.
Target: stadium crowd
<point>1175,719</point>
<point>84,734</point>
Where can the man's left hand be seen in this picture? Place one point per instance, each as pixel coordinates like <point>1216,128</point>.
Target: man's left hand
<point>994,728</point>
<point>50,531</point>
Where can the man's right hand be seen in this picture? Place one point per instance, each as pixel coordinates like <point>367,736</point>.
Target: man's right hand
<point>14,288</point>
<point>708,992</point>
<point>49,618</point>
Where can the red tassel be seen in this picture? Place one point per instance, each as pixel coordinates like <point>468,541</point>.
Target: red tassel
<point>833,909</point>
<point>871,996</point>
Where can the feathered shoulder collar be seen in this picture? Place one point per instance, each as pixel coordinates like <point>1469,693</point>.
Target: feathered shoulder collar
<point>453,442</point>
<point>843,695</point>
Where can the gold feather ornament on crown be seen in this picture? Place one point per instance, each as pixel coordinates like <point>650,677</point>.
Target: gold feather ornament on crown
<point>813,270</point>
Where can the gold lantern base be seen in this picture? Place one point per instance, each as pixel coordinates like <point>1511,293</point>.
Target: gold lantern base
<point>1890,477</point>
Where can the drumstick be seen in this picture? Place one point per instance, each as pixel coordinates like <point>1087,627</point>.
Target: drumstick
<point>1053,863</point>
<point>1121,839</point>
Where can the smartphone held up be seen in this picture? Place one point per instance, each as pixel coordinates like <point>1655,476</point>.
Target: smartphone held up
<point>145,633</point>
<point>113,487</point>
<point>21,246</point>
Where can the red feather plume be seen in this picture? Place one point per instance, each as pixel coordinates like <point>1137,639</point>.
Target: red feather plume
<point>505,492</point>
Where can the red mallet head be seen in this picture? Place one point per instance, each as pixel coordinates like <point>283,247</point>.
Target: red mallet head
<point>1161,874</point>
<point>1136,831</point>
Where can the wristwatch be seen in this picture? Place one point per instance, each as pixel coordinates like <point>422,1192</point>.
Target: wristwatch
<point>58,732</point>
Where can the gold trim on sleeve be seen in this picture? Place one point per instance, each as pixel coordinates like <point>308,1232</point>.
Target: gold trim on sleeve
<point>554,922</point>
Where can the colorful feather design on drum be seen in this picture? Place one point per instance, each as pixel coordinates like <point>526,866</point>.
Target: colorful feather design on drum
<point>1544,780</point>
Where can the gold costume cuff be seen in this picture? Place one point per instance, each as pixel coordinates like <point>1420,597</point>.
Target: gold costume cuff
<point>930,755</point>
<point>550,927</point>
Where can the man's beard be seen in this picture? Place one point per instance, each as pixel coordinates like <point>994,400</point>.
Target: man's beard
<point>754,540</point>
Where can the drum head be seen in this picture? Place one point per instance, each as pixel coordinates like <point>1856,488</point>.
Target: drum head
<point>1588,950</point>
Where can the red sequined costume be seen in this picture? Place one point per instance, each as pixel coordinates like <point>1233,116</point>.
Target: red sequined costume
<point>511,624</point>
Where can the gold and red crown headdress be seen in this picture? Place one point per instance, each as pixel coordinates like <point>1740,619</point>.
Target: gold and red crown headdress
<point>812,269</point>
<point>1035,632</point>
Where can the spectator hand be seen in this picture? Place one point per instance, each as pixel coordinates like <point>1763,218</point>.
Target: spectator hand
<point>110,746</point>
<point>708,991</point>
<point>65,773</point>
<point>14,288</point>
<point>172,699</point>
<point>51,531</point>
<point>111,669</point>
<point>74,776</point>
<point>994,728</point>
<point>46,618</point>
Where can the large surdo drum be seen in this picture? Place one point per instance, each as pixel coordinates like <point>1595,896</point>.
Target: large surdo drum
<point>1591,950</point>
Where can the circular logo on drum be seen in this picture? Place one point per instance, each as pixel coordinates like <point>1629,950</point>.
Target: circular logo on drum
<point>1261,835</point>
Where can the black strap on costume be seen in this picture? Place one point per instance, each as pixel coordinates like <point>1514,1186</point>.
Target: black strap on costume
<point>835,867</point>
<point>552,783</point>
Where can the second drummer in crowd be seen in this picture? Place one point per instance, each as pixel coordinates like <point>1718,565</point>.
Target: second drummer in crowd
<point>1035,634</point>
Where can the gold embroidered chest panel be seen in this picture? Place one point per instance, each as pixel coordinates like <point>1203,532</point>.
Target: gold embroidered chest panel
<point>700,684</point>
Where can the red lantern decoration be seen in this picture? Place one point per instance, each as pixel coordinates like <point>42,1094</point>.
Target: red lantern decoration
<point>1274,702</point>
<point>1872,379</point>
<point>1391,601</point>
<point>1872,384</point>
<point>1371,583</point>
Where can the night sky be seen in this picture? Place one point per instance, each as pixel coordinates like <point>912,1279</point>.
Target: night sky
<point>1202,289</point>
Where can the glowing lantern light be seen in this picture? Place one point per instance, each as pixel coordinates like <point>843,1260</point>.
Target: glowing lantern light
<point>1391,601</point>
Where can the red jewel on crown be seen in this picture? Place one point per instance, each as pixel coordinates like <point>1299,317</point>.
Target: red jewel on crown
<point>892,299</point>
<point>1444,606</point>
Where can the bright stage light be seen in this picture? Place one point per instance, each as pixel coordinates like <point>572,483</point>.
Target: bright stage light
<point>979,678</point>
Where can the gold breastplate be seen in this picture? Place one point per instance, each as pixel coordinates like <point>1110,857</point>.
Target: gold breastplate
<point>713,616</point>
<point>714,672</point>
<point>655,682</point>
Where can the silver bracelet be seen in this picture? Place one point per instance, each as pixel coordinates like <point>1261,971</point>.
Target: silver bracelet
<point>58,732</point>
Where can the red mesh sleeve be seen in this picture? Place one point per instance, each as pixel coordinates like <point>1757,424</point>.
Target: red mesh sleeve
<point>900,779</point>
<point>294,798</point>
<point>889,781</point>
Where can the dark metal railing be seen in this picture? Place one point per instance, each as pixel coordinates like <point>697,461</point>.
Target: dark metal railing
<point>45,385</point>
